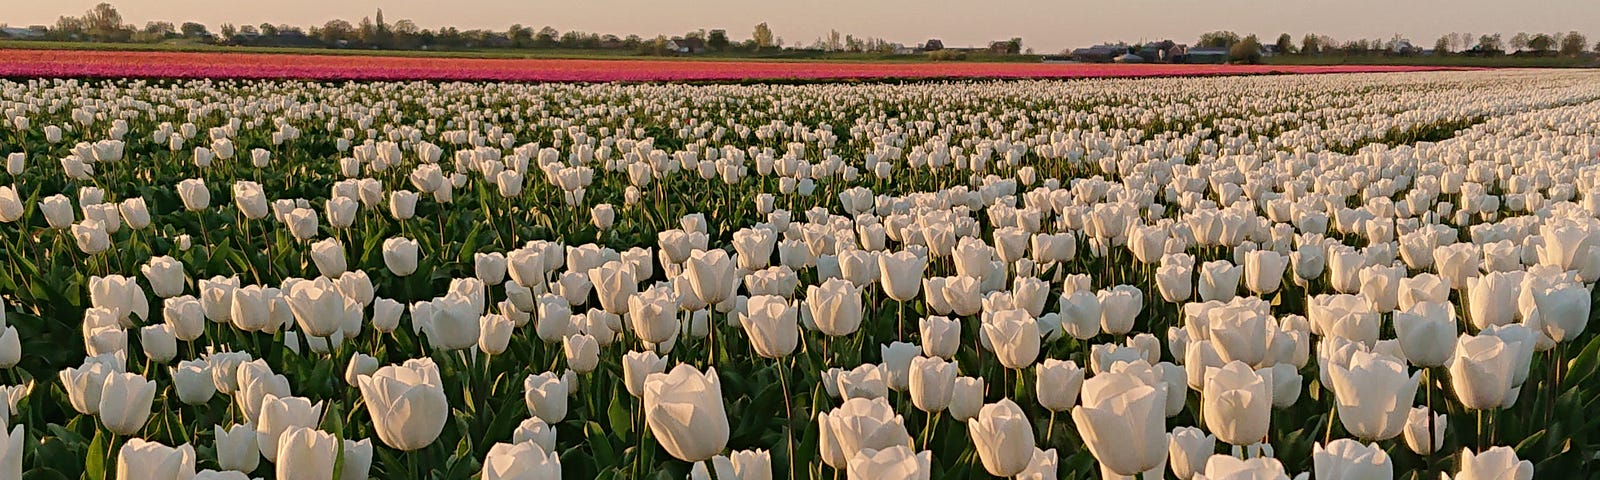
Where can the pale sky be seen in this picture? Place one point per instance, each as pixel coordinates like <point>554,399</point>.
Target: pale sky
<point>1045,25</point>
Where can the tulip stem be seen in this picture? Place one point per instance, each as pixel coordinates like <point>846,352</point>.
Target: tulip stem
<point>788,415</point>
<point>1427,388</point>
<point>1050,428</point>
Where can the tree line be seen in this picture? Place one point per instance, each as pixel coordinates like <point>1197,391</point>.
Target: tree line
<point>103,23</point>
<point>1570,43</point>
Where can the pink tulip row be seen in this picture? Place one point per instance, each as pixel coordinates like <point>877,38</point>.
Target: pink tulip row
<point>45,63</point>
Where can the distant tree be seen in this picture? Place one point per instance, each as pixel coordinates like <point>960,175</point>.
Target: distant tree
<point>1442,46</point>
<point>405,34</point>
<point>69,27</point>
<point>632,41</point>
<point>1218,39</point>
<point>717,40</point>
<point>1310,44</point>
<point>228,31</point>
<point>268,30</point>
<point>194,30</point>
<point>336,31</point>
<point>1247,50</point>
<point>1541,42</point>
<point>1596,48</point>
<point>519,35</point>
<point>1573,43</point>
<point>1285,44</point>
<point>248,29</point>
<point>762,35</point>
<point>104,23</point>
<point>933,44</point>
<point>835,42</point>
<point>546,38</point>
<point>1014,45</point>
<point>1520,41</point>
<point>659,45</point>
<point>1490,43</point>
<point>160,28</point>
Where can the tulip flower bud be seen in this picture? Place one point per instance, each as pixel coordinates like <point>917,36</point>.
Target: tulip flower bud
<point>236,448</point>
<point>141,459</point>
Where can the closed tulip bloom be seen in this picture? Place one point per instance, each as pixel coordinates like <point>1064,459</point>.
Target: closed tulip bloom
<point>546,397</point>
<point>91,237</point>
<point>1242,336</point>
<point>1564,309</point>
<point>967,398</point>
<point>1189,448</point>
<point>1481,371</point>
<point>1058,384</point>
<point>11,346</point>
<point>1417,428</point>
<point>653,315</point>
<point>897,364</point>
<point>941,337</point>
<point>1175,280</point>
<point>402,204</point>
<point>711,275</point>
<point>192,380</point>
<point>1263,271</point>
<point>536,431</point>
<point>859,424</point>
<point>1015,338</point>
<point>1497,463</point>
<point>582,353</point>
<point>932,383</point>
<point>1380,285</point>
<point>360,365</point>
<point>125,402</point>
<point>1427,333</point>
<point>901,274</point>
<point>684,411</point>
<point>615,283</point>
<point>963,295</point>
<point>10,204</point>
<point>454,324</point>
<point>1227,467</point>
<point>494,333</point>
<point>407,404</point>
<point>306,453</point>
<point>165,275</point>
<point>1123,422</point>
<point>400,255</point>
<point>1219,280</point>
<point>1080,314</point>
<point>1119,307</point>
<point>772,324</point>
<point>236,448</point>
<point>1373,394</point>
<point>278,416</point>
<point>752,464</point>
<point>134,213</point>
<point>489,267</point>
<point>636,366</point>
<point>250,199</point>
<point>357,459</point>
<point>194,194</point>
<point>898,462</point>
<point>157,341</point>
<point>318,307</point>
<point>1348,459</point>
<point>328,255</point>
<point>11,452</point>
<point>1003,437</point>
<point>520,461</point>
<point>1237,403</point>
<point>835,306</point>
<point>302,223</point>
<point>141,459</point>
<point>341,211</point>
<point>57,211</point>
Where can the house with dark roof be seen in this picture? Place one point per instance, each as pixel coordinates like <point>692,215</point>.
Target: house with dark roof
<point>690,45</point>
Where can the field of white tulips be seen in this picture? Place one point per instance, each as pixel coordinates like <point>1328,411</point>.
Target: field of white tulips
<point>1363,276</point>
